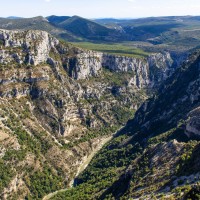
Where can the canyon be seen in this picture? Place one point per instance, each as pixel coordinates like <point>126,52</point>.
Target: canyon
<point>59,102</point>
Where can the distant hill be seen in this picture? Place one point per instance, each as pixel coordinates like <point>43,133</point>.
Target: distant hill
<point>56,19</point>
<point>24,23</point>
<point>163,32</point>
<point>14,17</point>
<point>36,23</point>
<point>172,30</point>
<point>85,28</point>
<point>147,21</point>
<point>68,28</point>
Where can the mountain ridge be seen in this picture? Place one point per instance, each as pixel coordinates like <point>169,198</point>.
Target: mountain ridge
<point>156,33</point>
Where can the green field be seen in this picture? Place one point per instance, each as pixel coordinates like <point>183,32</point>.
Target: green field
<point>117,49</point>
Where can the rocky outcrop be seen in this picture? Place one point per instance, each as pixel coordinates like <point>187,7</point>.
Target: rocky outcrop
<point>86,64</point>
<point>35,46</point>
<point>193,123</point>
<point>149,72</point>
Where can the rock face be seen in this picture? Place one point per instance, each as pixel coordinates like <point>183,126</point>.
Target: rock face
<point>35,44</point>
<point>193,123</point>
<point>85,64</point>
<point>148,72</point>
<point>56,103</point>
<point>176,99</point>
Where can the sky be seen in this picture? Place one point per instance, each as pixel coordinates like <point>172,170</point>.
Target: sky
<point>99,8</point>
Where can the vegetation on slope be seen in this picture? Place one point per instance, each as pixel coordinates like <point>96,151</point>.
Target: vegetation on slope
<point>151,157</point>
<point>177,33</point>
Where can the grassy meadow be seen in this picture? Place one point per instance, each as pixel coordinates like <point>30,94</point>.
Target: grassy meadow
<point>117,49</point>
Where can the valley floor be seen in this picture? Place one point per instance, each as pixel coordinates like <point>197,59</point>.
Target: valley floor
<point>83,165</point>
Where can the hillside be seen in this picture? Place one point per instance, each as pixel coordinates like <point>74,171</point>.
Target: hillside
<point>35,23</point>
<point>22,23</point>
<point>87,29</point>
<point>156,155</point>
<point>57,19</point>
<point>181,31</point>
<point>59,103</point>
<point>156,34</point>
<point>68,28</point>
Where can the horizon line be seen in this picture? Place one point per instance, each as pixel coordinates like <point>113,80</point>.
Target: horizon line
<point>94,18</point>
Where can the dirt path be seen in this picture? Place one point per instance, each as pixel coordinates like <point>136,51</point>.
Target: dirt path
<point>84,164</point>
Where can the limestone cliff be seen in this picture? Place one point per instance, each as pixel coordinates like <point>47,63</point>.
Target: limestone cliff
<point>148,72</point>
<point>36,46</point>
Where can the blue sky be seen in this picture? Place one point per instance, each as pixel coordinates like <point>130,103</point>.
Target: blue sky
<point>100,8</point>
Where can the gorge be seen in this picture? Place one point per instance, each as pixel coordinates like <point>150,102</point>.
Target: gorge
<point>59,102</point>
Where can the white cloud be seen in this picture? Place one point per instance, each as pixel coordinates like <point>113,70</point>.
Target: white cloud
<point>47,0</point>
<point>131,0</point>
